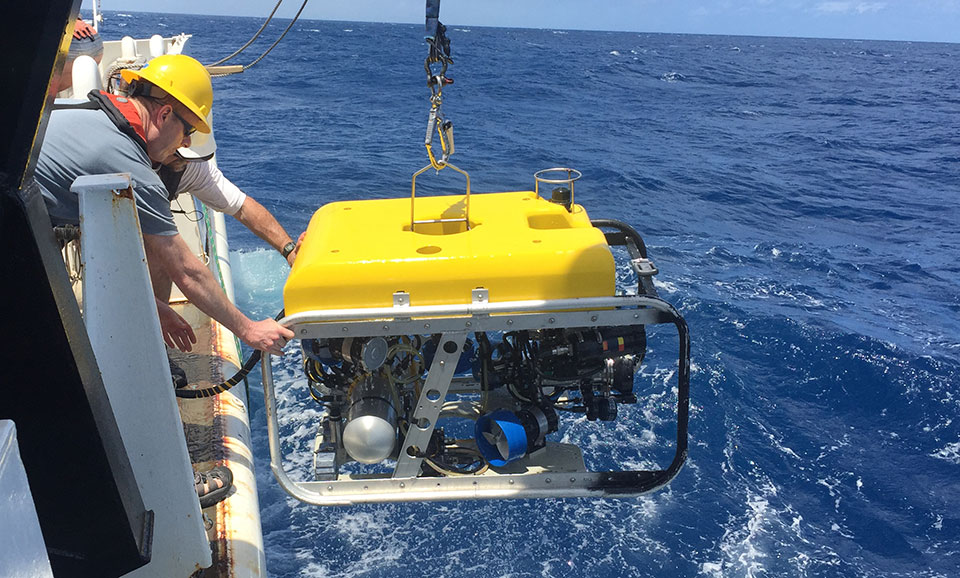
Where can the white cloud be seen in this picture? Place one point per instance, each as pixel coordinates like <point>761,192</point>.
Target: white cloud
<point>847,7</point>
<point>864,7</point>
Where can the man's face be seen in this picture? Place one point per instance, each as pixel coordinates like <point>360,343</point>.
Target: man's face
<point>169,132</point>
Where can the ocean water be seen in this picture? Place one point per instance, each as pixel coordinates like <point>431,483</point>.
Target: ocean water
<point>799,198</point>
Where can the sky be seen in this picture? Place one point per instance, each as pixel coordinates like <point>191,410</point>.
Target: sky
<point>920,20</point>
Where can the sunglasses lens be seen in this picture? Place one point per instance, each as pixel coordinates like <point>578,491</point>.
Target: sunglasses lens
<point>188,129</point>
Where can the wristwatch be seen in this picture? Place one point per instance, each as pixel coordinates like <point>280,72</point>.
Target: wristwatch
<point>287,249</point>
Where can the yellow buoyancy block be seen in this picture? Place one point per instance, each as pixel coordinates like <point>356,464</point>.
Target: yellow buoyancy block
<point>357,254</point>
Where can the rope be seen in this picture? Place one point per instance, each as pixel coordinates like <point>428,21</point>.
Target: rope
<point>255,36</point>
<point>267,51</point>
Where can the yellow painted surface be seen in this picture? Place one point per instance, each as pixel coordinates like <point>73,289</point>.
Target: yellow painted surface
<point>357,254</point>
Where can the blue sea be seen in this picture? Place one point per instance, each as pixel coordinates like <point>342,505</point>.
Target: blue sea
<point>799,199</point>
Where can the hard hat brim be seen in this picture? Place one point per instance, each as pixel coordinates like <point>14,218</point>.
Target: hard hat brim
<point>202,146</point>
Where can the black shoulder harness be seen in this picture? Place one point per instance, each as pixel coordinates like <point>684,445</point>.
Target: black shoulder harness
<point>171,180</point>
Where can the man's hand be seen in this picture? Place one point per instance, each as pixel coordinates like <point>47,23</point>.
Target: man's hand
<point>176,331</point>
<point>293,254</point>
<point>83,30</point>
<point>266,335</point>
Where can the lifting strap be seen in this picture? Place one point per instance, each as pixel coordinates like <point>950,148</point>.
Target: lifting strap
<point>436,35</point>
<point>437,124</point>
<point>439,54</point>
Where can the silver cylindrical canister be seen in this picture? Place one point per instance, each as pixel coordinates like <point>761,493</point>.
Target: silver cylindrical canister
<point>370,433</point>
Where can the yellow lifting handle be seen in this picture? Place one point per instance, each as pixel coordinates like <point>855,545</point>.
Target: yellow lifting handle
<point>413,197</point>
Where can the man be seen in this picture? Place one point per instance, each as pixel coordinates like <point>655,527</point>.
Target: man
<point>203,179</point>
<point>171,99</point>
<point>193,170</point>
<point>85,42</point>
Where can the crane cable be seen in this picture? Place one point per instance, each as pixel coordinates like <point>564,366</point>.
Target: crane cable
<point>229,70</point>
<point>255,36</point>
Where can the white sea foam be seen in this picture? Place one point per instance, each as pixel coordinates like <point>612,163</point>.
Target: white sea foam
<point>949,453</point>
<point>665,286</point>
<point>370,534</point>
<point>736,323</point>
<point>832,484</point>
<point>742,546</point>
<point>768,289</point>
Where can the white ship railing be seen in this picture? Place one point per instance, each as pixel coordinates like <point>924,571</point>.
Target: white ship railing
<point>120,315</point>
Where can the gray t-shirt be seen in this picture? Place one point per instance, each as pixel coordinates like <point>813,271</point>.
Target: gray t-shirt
<point>86,142</point>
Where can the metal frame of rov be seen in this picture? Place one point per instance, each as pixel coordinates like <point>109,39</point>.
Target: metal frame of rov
<point>547,469</point>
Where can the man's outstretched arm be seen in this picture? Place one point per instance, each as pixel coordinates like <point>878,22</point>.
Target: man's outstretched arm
<point>171,254</point>
<point>258,219</point>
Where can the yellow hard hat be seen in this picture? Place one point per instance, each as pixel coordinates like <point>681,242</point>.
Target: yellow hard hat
<point>183,78</point>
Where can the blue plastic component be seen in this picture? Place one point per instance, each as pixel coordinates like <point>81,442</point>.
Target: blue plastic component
<point>467,357</point>
<point>510,433</point>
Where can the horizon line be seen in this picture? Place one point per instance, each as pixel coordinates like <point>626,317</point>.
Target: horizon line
<point>622,31</point>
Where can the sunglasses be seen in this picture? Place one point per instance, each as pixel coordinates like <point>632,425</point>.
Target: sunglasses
<point>188,129</point>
